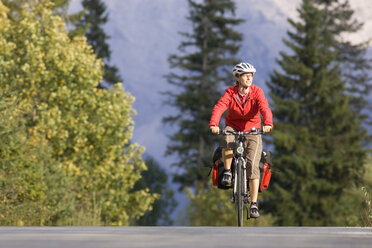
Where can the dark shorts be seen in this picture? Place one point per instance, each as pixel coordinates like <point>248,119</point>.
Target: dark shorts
<point>252,151</point>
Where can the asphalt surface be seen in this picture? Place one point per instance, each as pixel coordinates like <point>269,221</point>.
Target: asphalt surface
<point>190,237</point>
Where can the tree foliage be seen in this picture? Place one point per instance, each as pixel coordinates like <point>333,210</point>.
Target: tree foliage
<point>59,7</point>
<point>155,179</point>
<point>203,66</point>
<point>366,191</point>
<point>66,158</point>
<point>318,136</point>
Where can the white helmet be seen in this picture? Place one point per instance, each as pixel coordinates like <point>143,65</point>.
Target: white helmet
<point>242,68</point>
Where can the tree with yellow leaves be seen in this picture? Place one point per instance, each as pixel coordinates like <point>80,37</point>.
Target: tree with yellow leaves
<point>71,156</point>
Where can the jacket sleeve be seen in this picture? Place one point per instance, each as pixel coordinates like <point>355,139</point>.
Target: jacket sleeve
<point>263,106</point>
<point>220,108</point>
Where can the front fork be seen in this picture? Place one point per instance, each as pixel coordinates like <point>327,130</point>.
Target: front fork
<point>245,188</point>
<point>235,177</point>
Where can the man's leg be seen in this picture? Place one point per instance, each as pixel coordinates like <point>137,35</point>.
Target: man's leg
<point>253,155</point>
<point>227,157</point>
<point>253,189</point>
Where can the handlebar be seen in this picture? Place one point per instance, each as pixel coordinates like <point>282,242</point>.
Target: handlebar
<point>238,133</point>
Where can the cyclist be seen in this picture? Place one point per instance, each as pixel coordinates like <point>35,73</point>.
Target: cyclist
<point>245,102</point>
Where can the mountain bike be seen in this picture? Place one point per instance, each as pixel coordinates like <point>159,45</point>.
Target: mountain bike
<point>239,166</point>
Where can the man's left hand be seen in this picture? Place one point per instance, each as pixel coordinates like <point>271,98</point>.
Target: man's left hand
<point>266,129</point>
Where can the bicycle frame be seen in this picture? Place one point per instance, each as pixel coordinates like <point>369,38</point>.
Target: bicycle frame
<point>239,160</point>
<point>240,188</point>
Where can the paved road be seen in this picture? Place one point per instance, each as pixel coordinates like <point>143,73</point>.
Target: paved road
<point>188,237</point>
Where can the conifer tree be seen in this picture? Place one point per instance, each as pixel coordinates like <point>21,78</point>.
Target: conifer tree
<point>352,56</point>
<point>94,18</point>
<point>200,69</point>
<point>317,135</point>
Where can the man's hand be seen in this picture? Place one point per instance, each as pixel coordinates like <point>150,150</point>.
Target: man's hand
<point>215,129</point>
<point>266,129</point>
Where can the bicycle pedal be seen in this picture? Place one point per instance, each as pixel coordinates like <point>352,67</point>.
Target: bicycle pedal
<point>250,218</point>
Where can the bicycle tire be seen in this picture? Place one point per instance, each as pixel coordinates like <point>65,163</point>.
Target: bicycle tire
<point>240,196</point>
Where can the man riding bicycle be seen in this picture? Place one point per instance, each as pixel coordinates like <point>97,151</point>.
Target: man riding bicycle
<point>245,102</point>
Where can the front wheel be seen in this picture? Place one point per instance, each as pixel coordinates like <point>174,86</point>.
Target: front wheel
<point>240,193</point>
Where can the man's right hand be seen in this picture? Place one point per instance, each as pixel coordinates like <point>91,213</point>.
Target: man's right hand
<point>215,129</point>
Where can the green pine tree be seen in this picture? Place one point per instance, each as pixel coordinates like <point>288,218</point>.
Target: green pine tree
<point>94,18</point>
<point>352,57</point>
<point>200,69</point>
<point>317,135</point>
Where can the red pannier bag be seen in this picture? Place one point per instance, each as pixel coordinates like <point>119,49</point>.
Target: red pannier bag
<point>218,169</point>
<point>265,170</point>
<point>215,173</point>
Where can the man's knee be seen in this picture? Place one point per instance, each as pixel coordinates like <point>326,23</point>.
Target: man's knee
<point>228,141</point>
<point>227,153</point>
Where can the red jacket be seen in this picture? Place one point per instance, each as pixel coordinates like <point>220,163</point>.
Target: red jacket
<point>242,119</point>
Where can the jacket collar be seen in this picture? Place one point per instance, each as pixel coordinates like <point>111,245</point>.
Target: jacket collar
<point>236,95</point>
